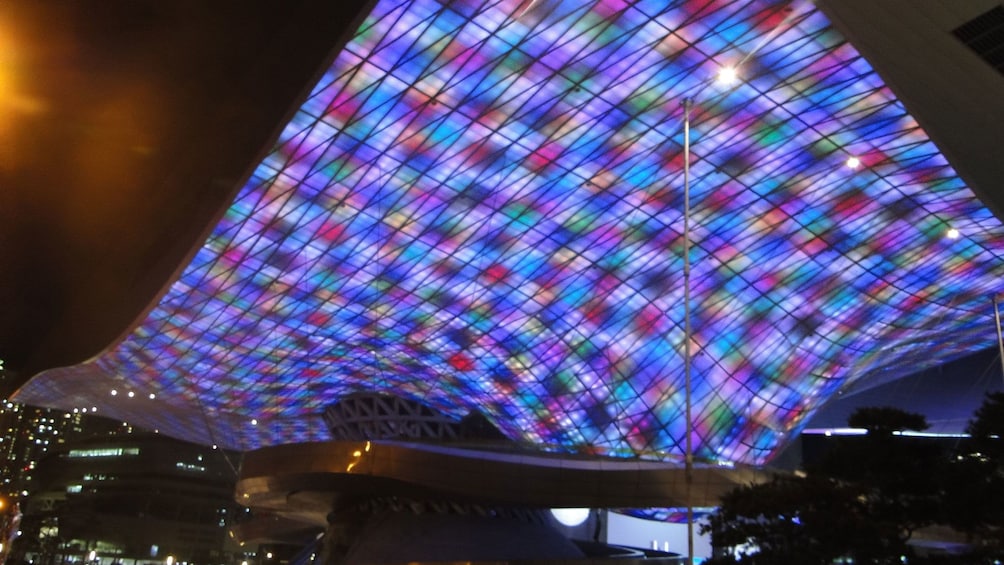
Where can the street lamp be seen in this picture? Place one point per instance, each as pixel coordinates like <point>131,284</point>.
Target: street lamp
<point>728,77</point>
<point>688,455</point>
<point>1000,335</point>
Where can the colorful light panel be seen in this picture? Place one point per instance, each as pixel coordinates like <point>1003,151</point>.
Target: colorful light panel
<point>480,207</point>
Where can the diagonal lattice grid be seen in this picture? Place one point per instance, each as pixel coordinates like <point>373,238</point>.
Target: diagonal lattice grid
<point>480,206</point>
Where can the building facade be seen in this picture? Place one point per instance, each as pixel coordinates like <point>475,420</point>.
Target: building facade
<point>81,488</point>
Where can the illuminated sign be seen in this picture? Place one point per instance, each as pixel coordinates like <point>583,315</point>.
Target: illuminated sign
<point>103,452</point>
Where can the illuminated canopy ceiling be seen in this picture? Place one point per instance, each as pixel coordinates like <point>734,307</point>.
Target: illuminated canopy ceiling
<point>480,206</point>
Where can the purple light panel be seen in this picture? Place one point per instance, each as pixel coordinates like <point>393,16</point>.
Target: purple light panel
<point>480,207</point>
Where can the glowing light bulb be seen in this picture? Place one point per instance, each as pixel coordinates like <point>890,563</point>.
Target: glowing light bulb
<point>727,76</point>
<point>953,233</point>
<point>570,516</point>
<point>853,162</point>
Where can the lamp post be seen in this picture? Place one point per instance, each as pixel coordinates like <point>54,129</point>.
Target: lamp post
<point>688,457</point>
<point>727,76</point>
<point>1000,337</point>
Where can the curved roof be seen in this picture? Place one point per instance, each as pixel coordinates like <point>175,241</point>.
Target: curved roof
<point>305,480</point>
<point>480,206</point>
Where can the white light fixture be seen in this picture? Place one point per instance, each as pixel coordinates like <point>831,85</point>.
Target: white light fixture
<point>570,517</point>
<point>152,396</point>
<point>953,233</point>
<point>728,76</point>
<point>115,392</point>
<point>853,162</point>
<point>131,394</point>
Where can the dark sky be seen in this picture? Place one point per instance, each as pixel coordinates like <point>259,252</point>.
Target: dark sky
<point>946,395</point>
<point>125,125</point>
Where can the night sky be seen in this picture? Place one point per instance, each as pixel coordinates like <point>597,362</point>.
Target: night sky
<point>946,395</point>
<point>125,125</point>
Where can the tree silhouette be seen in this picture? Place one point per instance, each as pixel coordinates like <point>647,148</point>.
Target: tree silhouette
<point>897,476</point>
<point>973,498</point>
<point>863,500</point>
<point>885,420</point>
<point>792,520</point>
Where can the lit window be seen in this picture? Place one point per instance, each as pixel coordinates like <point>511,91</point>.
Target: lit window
<point>103,452</point>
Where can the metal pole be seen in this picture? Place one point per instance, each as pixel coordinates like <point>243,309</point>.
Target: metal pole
<point>1000,337</point>
<point>689,454</point>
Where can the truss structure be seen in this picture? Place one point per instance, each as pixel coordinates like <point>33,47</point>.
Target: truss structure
<point>360,417</point>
